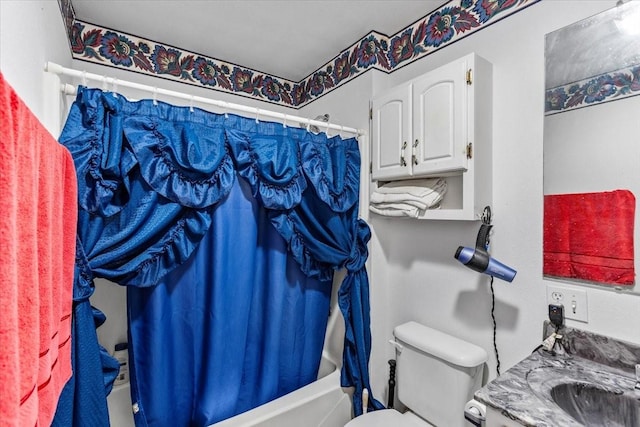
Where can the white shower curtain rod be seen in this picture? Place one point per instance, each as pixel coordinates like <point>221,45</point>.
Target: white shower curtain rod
<point>258,112</point>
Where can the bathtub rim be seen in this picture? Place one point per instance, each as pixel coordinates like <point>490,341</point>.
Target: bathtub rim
<point>327,384</point>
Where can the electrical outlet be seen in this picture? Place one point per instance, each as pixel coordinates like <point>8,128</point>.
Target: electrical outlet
<point>573,300</point>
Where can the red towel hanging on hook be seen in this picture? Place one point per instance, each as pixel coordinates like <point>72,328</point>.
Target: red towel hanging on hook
<point>38,215</point>
<point>589,236</point>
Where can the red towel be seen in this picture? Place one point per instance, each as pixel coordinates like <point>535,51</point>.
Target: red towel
<point>38,214</point>
<point>589,236</point>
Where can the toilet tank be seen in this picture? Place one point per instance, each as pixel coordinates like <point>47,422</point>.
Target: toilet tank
<point>436,373</point>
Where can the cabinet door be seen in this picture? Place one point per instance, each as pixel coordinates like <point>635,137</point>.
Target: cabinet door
<point>391,131</point>
<point>440,120</point>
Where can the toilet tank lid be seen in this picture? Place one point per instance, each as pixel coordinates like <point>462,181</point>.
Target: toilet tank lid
<point>441,345</point>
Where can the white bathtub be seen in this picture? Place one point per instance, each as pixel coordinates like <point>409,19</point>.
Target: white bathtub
<point>119,404</point>
<point>322,403</point>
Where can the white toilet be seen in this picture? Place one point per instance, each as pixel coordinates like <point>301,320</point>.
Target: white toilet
<point>436,375</point>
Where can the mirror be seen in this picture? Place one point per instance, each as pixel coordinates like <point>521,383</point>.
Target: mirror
<point>592,150</point>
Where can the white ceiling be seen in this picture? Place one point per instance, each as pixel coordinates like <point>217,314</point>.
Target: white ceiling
<point>284,38</point>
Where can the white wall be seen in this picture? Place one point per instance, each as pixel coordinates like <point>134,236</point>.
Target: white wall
<point>31,33</point>
<point>413,272</point>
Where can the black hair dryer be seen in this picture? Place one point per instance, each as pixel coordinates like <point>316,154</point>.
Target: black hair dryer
<point>478,259</point>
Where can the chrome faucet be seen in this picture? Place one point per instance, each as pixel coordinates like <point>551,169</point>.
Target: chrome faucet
<point>637,377</point>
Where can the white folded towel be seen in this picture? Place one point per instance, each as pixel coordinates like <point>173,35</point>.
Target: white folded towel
<point>406,195</point>
<point>379,200</point>
<point>427,199</point>
<point>414,187</point>
<point>396,209</point>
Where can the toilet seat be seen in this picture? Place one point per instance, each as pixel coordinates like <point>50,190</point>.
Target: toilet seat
<point>385,418</point>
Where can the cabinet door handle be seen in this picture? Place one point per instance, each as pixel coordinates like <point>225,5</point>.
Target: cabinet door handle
<point>402,160</point>
<point>414,158</point>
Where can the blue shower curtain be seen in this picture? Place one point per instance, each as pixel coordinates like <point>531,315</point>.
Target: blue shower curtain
<point>235,326</point>
<point>227,232</point>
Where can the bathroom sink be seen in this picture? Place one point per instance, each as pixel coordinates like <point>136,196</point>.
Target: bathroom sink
<point>585,393</point>
<point>593,405</point>
<point>589,380</point>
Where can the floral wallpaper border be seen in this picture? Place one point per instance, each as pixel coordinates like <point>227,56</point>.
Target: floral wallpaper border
<point>68,15</point>
<point>606,87</point>
<point>452,21</point>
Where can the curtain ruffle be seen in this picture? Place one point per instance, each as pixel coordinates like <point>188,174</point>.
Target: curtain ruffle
<point>173,250</point>
<point>141,244</point>
<point>101,161</point>
<point>333,168</point>
<point>83,276</point>
<point>188,163</point>
<point>272,166</point>
<point>310,266</point>
<point>359,251</point>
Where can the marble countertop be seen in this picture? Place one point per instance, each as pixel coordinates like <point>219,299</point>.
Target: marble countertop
<point>523,393</point>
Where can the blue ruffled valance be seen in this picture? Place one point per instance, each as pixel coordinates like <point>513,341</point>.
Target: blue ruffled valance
<point>151,175</point>
<point>191,156</point>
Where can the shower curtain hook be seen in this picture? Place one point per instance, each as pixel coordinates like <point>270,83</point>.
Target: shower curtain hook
<point>257,115</point>
<point>225,105</point>
<point>308,125</point>
<point>326,132</point>
<point>155,95</point>
<point>341,131</point>
<point>105,88</point>
<point>191,104</point>
<point>84,78</point>
<point>284,125</point>
<point>115,87</point>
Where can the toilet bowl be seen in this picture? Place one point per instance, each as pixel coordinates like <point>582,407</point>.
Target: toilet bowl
<point>436,375</point>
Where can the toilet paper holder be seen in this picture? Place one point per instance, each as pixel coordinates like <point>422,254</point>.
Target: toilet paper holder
<point>475,413</point>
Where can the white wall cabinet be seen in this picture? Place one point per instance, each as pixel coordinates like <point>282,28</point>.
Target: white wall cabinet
<point>439,124</point>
